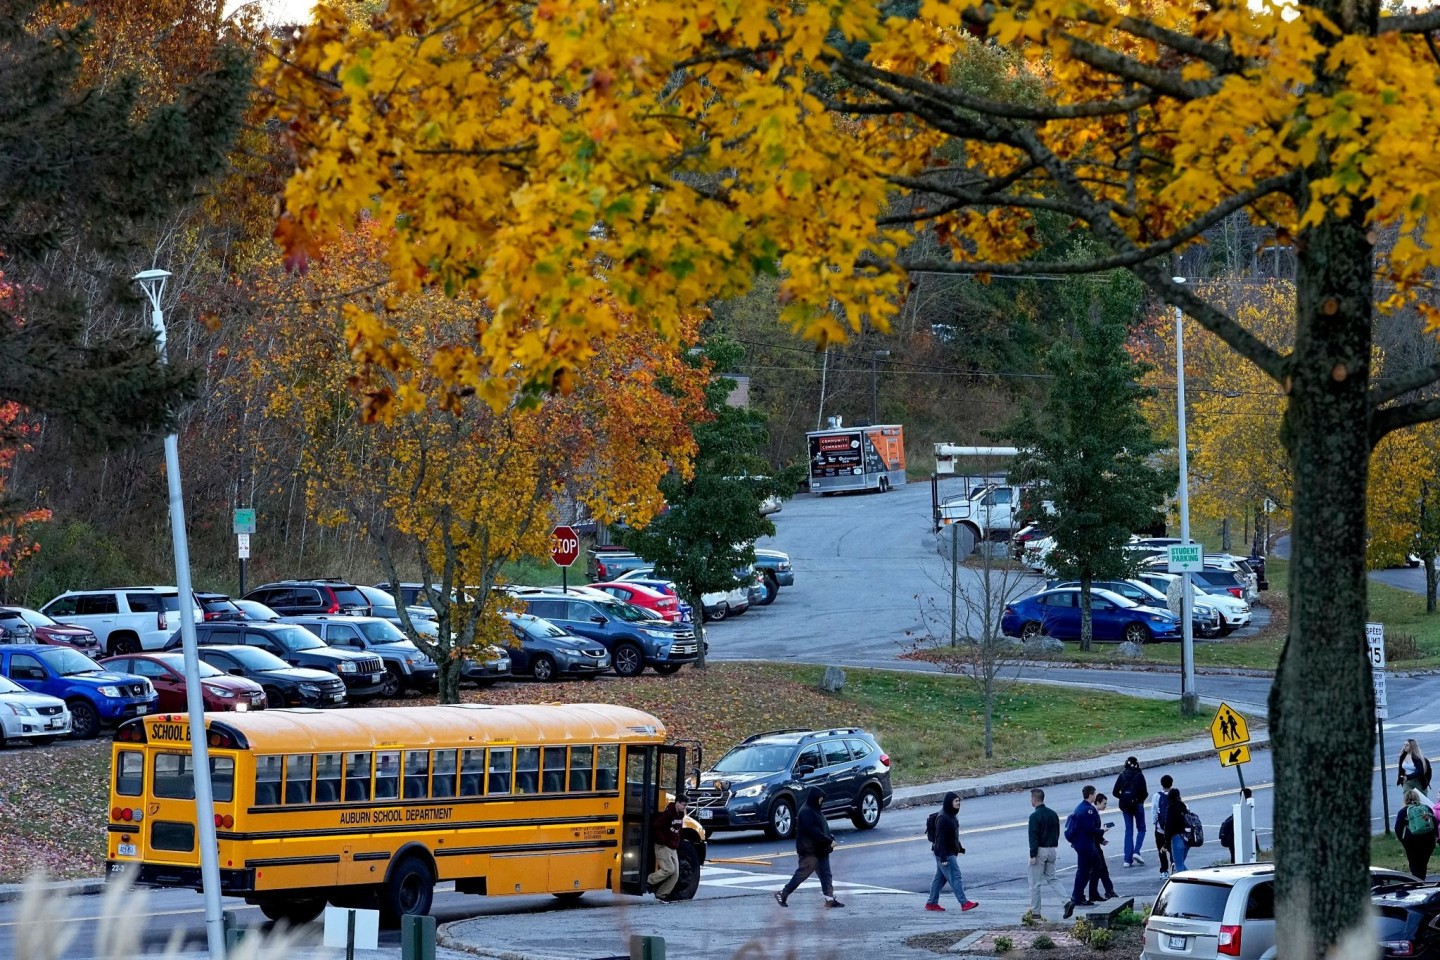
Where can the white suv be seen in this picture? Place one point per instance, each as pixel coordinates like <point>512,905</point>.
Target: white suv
<point>124,619</point>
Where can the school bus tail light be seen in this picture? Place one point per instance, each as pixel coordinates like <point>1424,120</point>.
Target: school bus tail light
<point>127,814</point>
<point>224,821</point>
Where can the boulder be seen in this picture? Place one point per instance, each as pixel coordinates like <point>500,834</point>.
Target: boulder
<point>833,680</point>
<point>1132,651</point>
<point>1044,647</point>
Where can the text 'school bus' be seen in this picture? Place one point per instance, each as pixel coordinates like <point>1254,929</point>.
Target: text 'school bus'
<point>374,807</point>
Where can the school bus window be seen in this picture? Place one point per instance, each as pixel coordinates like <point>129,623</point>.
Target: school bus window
<point>552,769</point>
<point>500,761</point>
<point>472,773</point>
<point>527,770</point>
<point>442,782</point>
<point>267,781</point>
<point>417,774</point>
<point>327,778</point>
<point>387,775</point>
<point>173,778</point>
<point>297,777</point>
<point>222,779</point>
<point>607,767</point>
<point>357,777</point>
<point>582,763</point>
<point>130,774</point>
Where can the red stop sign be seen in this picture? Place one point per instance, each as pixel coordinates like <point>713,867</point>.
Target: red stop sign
<point>564,546</point>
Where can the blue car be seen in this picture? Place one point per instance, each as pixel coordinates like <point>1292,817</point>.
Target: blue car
<point>1056,613</point>
<point>96,696</point>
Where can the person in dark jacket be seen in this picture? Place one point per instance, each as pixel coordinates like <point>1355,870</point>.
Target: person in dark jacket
<point>1044,839</point>
<point>1175,811</point>
<point>813,843</point>
<point>1130,792</point>
<point>665,831</point>
<point>1085,840</point>
<point>946,848</point>
<point>1100,877</point>
<point>1162,842</point>
<point>1419,847</point>
<point>1227,827</point>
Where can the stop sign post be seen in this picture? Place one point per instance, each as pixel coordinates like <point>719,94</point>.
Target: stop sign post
<point>564,550</point>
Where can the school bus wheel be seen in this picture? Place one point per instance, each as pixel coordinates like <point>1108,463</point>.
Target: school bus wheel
<point>409,889</point>
<point>293,912</point>
<point>689,882</point>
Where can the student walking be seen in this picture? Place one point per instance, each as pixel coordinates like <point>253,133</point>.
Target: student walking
<point>813,843</point>
<point>1227,827</point>
<point>1413,770</point>
<point>1100,878</point>
<point>1084,833</point>
<point>665,830</point>
<point>1175,811</point>
<point>1162,842</point>
<point>1130,792</point>
<point>1415,829</point>
<point>1044,841</point>
<point>946,848</point>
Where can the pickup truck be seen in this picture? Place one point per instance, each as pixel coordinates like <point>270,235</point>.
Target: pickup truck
<point>991,512</point>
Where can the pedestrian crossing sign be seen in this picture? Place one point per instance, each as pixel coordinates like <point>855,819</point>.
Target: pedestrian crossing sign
<point>1229,728</point>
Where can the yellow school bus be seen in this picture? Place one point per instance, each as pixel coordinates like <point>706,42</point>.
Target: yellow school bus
<point>374,807</point>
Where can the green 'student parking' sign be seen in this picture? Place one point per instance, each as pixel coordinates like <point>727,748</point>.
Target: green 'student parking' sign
<point>1185,557</point>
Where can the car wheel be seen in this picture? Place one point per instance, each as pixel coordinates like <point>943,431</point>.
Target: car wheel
<point>542,668</point>
<point>293,912</point>
<point>772,589</point>
<point>665,669</point>
<point>688,882</point>
<point>781,823</point>
<point>274,698</point>
<point>867,811</point>
<point>1031,631</point>
<point>1137,633</point>
<point>124,644</point>
<point>628,660</point>
<point>721,612</point>
<point>393,683</point>
<point>1226,628</point>
<point>84,720</point>
<point>409,890</point>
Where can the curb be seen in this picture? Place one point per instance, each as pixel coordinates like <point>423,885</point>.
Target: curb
<point>444,939</point>
<point>10,892</point>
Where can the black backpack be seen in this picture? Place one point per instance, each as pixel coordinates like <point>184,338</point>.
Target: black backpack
<point>930,828</point>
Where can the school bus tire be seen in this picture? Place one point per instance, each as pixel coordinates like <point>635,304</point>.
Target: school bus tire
<point>689,880</point>
<point>409,887</point>
<point>294,912</point>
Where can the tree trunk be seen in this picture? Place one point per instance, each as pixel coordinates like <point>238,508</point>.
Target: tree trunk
<point>1430,580</point>
<point>989,690</point>
<point>1322,704</point>
<point>697,617</point>
<point>1087,621</point>
<point>449,691</point>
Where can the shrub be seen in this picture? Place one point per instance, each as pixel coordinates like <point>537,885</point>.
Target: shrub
<point>1127,918</point>
<point>1101,939</point>
<point>1043,942</point>
<point>1004,944</point>
<point>1028,919</point>
<point>1401,646</point>
<point>1081,930</point>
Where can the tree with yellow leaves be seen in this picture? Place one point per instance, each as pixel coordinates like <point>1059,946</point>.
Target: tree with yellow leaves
<point>569,161</point>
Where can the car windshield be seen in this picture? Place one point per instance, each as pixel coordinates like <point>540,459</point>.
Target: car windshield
<point>627,612</point>
<point>68,662</point>
<point>10,686</point>
<point>1192,901</point>
<point>350,597</point>
<point>540,629</point>
<point>37,619</point>
<point>295,639</point>
<point>253,658</point>
<point>756,758</point>
<point>1393,923</point>
<point>381,631</point>
<point>255,610</point>
<point>217,604</point>
<point>178,665</point>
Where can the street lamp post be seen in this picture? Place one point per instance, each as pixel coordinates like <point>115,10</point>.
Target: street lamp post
<point>1189,701</point>
<point>875,357</point>
<point>152,282</point>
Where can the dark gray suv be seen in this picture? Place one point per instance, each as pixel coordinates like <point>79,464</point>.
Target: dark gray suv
<point>760,784</point>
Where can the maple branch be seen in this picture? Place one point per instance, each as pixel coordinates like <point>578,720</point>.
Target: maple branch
<point>1128,68</point>
<point>938,115</point>
<point>1386,421</point>
<point>1391,388</point>
<point>1212,53</point>
<point>989,197</point>
<point>1411,22</point>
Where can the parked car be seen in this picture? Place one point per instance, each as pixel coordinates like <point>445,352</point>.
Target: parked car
<point>609,562</point>
<point>14,628</point>
<point>382,605</point>
<point>218,606</point>
<point>1233,611</point>
<point>646,578</point>
<point>284,685</point>
<point>776,571</point>
<point>1204,617</point>
<point>1238,566</point>
<point>363,674</point>
<point>26,716</point>
<point>292,598</point>
<point>1407,919</point>
<point>760,784</point>
<point>414,594</point>
<point>123,619</point>
<point>665,607</point>
<point>96,697</point>
<point>406,666</point>
<point>1024,537</point>
<point>45,629</point>
<point>1056,613</point>
<point>544,651</point>
<point>717,606</point>
<point>255,610</point>
<point>1226,910</point>
<point>166,672</point>
<point>633,637</point>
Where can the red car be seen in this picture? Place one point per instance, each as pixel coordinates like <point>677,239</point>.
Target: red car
<point>166,671</point>
<point>663,606</point>
<point>46,629</point>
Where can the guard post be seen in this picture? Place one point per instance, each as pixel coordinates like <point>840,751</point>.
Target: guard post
<point>417,938</point>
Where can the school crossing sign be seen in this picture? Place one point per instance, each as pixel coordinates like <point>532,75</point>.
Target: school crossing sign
<point>1230,733</point>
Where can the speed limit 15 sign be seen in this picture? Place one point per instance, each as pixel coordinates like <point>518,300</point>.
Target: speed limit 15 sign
<point>564,546</point>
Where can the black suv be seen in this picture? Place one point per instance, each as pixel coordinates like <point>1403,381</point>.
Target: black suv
<point>363,673</point>
<point>762,782</point>
<point>285,686</point>
<point>296,598</point>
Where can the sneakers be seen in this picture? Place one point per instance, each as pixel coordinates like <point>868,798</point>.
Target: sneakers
<point>1139,859</point>
<point>1164,874</point>
<point>1069,909</point>
<point>968,905</point>
<point>780,899</point>
<point>832,902</point>
<point>935,907</point>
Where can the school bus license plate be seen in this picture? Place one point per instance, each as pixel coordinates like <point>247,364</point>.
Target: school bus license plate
<point>125,850</point>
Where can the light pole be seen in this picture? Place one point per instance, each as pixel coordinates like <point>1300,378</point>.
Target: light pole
<point>1189,701</point>
<point>875,357</point>
<point>152,282</point>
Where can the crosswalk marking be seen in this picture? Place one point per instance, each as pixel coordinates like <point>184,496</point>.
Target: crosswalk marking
<point>770,882</point>
<point>1414,728</point>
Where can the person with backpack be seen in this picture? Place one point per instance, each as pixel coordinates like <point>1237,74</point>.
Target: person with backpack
<point>1412,769</point>
<point>1162,842</point>
<point>1175,829</point>
<point>945,845</point>
<point>1101,889</point>
<point>1227,827</point>
<point>1130,790</point>
<point>1415,829</point>
<point>1083,832</point>
<point>813,843</point>
<point>1044,842</point>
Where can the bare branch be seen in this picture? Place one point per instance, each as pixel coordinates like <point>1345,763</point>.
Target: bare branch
<point>1390,419</point>
<point>1391,388</point>
<point>1412,22</point>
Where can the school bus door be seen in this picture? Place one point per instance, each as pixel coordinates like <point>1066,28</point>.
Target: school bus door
<point>649,771</point>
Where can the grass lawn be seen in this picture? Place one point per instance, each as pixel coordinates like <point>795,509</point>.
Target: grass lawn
<point>55,799</point>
